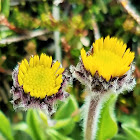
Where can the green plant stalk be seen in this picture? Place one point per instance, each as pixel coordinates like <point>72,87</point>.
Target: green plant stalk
<point>93,107</point>
<point>5,7</point>
<point>90,119</point>
<point>56,15</point>
<point>0,5</point>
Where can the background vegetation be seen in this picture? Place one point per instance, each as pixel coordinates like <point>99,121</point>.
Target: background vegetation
<point>61,28</point>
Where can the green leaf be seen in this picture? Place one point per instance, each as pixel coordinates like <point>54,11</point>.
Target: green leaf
<point>75,52</point>
<point>1,137</point>
<point>120,137</point>
<point>132,132</point>
<point>107,126</point>
<point>103,6</point>
<point>22,126</point>
<point>44,118</point>
<point>34,125</point>
<point>67,108</point>
<point>5,7</point>
<point>76,134</point>
<point>54,135</point>
<point>5,127</point>
<point>65,126</point>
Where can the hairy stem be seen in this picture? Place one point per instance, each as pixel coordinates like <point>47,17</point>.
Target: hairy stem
<point>90,119</point>
<point>93,109</point>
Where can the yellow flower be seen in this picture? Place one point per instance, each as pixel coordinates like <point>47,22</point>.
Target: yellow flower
<point>40,77</point>
<point>39,83</point>
<point>109,58</point>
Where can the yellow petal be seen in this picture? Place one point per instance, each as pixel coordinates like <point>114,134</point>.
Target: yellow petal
<point>26,63</point>
<point>42,58</point>
<point>20,81</point>
<point>55,66</point>
<point>46,61</point>
<point>60,71</point>
<point>36,60</point>
<point>26,90</point>
<point>21,74</point>
<point>50,62</point>
<point>31,63</point>
<point>59,80</point>
<point>22,67</point>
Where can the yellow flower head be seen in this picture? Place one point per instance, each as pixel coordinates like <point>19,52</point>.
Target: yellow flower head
<point>40,77</point>
<point>109,58</point>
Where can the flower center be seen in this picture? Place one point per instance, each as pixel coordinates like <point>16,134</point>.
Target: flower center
<point>39,78</point>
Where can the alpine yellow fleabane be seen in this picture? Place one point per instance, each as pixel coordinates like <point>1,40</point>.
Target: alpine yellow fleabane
<point>40,77</point>
<point>110,58</point>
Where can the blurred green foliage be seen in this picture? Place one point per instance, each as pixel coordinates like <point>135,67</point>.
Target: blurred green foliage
<point>81,22</point>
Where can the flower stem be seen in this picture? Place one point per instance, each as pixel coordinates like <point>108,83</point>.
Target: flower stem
<point>91,120</point>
